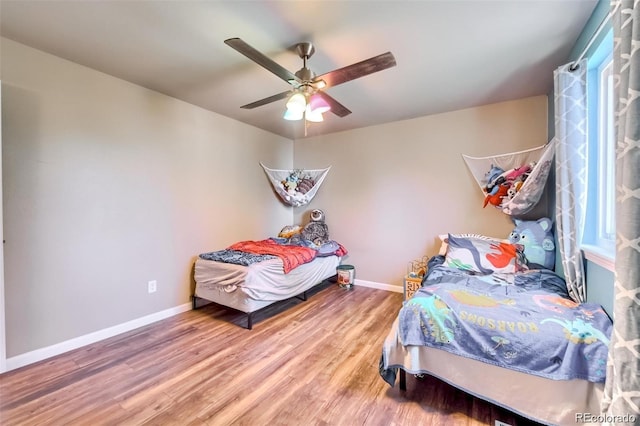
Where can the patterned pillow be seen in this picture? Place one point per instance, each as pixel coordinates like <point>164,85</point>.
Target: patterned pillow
<point>482,255</point>
<point>444,240</point>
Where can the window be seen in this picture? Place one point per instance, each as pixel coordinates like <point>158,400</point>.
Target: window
<point>599,235</point>
<point>606,154</point>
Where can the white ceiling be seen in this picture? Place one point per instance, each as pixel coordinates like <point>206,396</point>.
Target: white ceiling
<point>450,54</point>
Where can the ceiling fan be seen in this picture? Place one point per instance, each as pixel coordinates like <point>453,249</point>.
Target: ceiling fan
<point>307,98</point>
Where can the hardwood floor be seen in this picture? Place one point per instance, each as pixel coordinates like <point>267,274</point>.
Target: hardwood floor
<point>315,363</point>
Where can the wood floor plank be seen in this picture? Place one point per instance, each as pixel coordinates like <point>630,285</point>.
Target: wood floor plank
<point>61,404</point>
<point>311,362</point>
<point>16,385</point>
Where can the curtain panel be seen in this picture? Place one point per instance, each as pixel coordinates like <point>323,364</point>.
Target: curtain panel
<point>570,97</point>
<point>622,386</point>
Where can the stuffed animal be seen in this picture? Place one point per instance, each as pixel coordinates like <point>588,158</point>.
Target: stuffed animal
<point>290,183</point>
<point>515,173</point>
<point>536,237</point>
<point>316,230</point>
<point>515,187</point>
<point>518,183</point>
<point>305,185</point>
<point>497,198</point>
<point>289,231</point>
<point>491,176</point>
<point>496,177</point>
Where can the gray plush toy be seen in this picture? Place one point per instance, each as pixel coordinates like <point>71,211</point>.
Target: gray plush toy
<point>316,230</point>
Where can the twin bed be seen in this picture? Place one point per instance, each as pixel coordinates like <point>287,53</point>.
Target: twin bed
<point>251,275</point>
<point>509,335</point>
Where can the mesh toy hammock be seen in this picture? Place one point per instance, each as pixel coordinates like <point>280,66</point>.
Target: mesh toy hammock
<point>296,187</point>
<point>509,196</point>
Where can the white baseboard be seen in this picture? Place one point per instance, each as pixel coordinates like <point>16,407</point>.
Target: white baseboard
<point>77,342</point>
<point>379,286</point>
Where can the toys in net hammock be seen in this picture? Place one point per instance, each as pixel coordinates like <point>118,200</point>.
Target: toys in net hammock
<point>513,182</point>
<point>296,187</point>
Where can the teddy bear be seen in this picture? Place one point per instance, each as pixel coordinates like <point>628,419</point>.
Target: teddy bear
<point>537,239</point>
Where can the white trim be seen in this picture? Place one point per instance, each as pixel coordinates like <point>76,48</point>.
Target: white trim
<point>75,343</point>
<point>379,286</point>
<point>3,342</point>
<point>78,342</point>
<point>600,257</point>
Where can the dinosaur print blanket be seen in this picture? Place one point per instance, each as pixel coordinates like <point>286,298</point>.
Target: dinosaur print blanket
<point>531,326</point>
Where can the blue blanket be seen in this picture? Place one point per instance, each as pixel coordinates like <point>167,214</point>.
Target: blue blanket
<point>530,326</point>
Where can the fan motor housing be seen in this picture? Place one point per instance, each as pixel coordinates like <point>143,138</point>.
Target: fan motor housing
<point>305,74</point>
<point>305,50</point>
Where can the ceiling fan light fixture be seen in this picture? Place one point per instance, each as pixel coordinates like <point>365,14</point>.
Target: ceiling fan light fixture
<point>313,116</point>
<point>317,104</point>
<point>297,103</point>
<point>305,84</point>
<point>293,115</point>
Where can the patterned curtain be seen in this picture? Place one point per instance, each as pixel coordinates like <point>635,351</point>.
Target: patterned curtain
<point>570,96</point>
<point>622,388</point>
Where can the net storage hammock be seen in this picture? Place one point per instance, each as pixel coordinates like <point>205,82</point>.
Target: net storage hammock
<point>513,182</point>
<point>296,187</point>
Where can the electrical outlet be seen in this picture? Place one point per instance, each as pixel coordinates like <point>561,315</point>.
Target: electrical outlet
<point>152,286</point>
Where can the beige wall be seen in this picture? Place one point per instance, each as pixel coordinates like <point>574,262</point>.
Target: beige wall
<point>108,185</point>
<point>393,188</point>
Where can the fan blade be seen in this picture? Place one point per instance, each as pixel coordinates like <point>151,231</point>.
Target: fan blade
<point>336,107</point>
<point>260,59</point>
<point>268,100</point>
<point>357,70</point>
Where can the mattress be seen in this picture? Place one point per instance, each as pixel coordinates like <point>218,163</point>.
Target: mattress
<point>249,288</point>
<point>537,398</point>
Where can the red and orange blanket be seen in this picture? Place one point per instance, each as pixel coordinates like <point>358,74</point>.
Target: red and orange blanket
<point>291,256</point>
